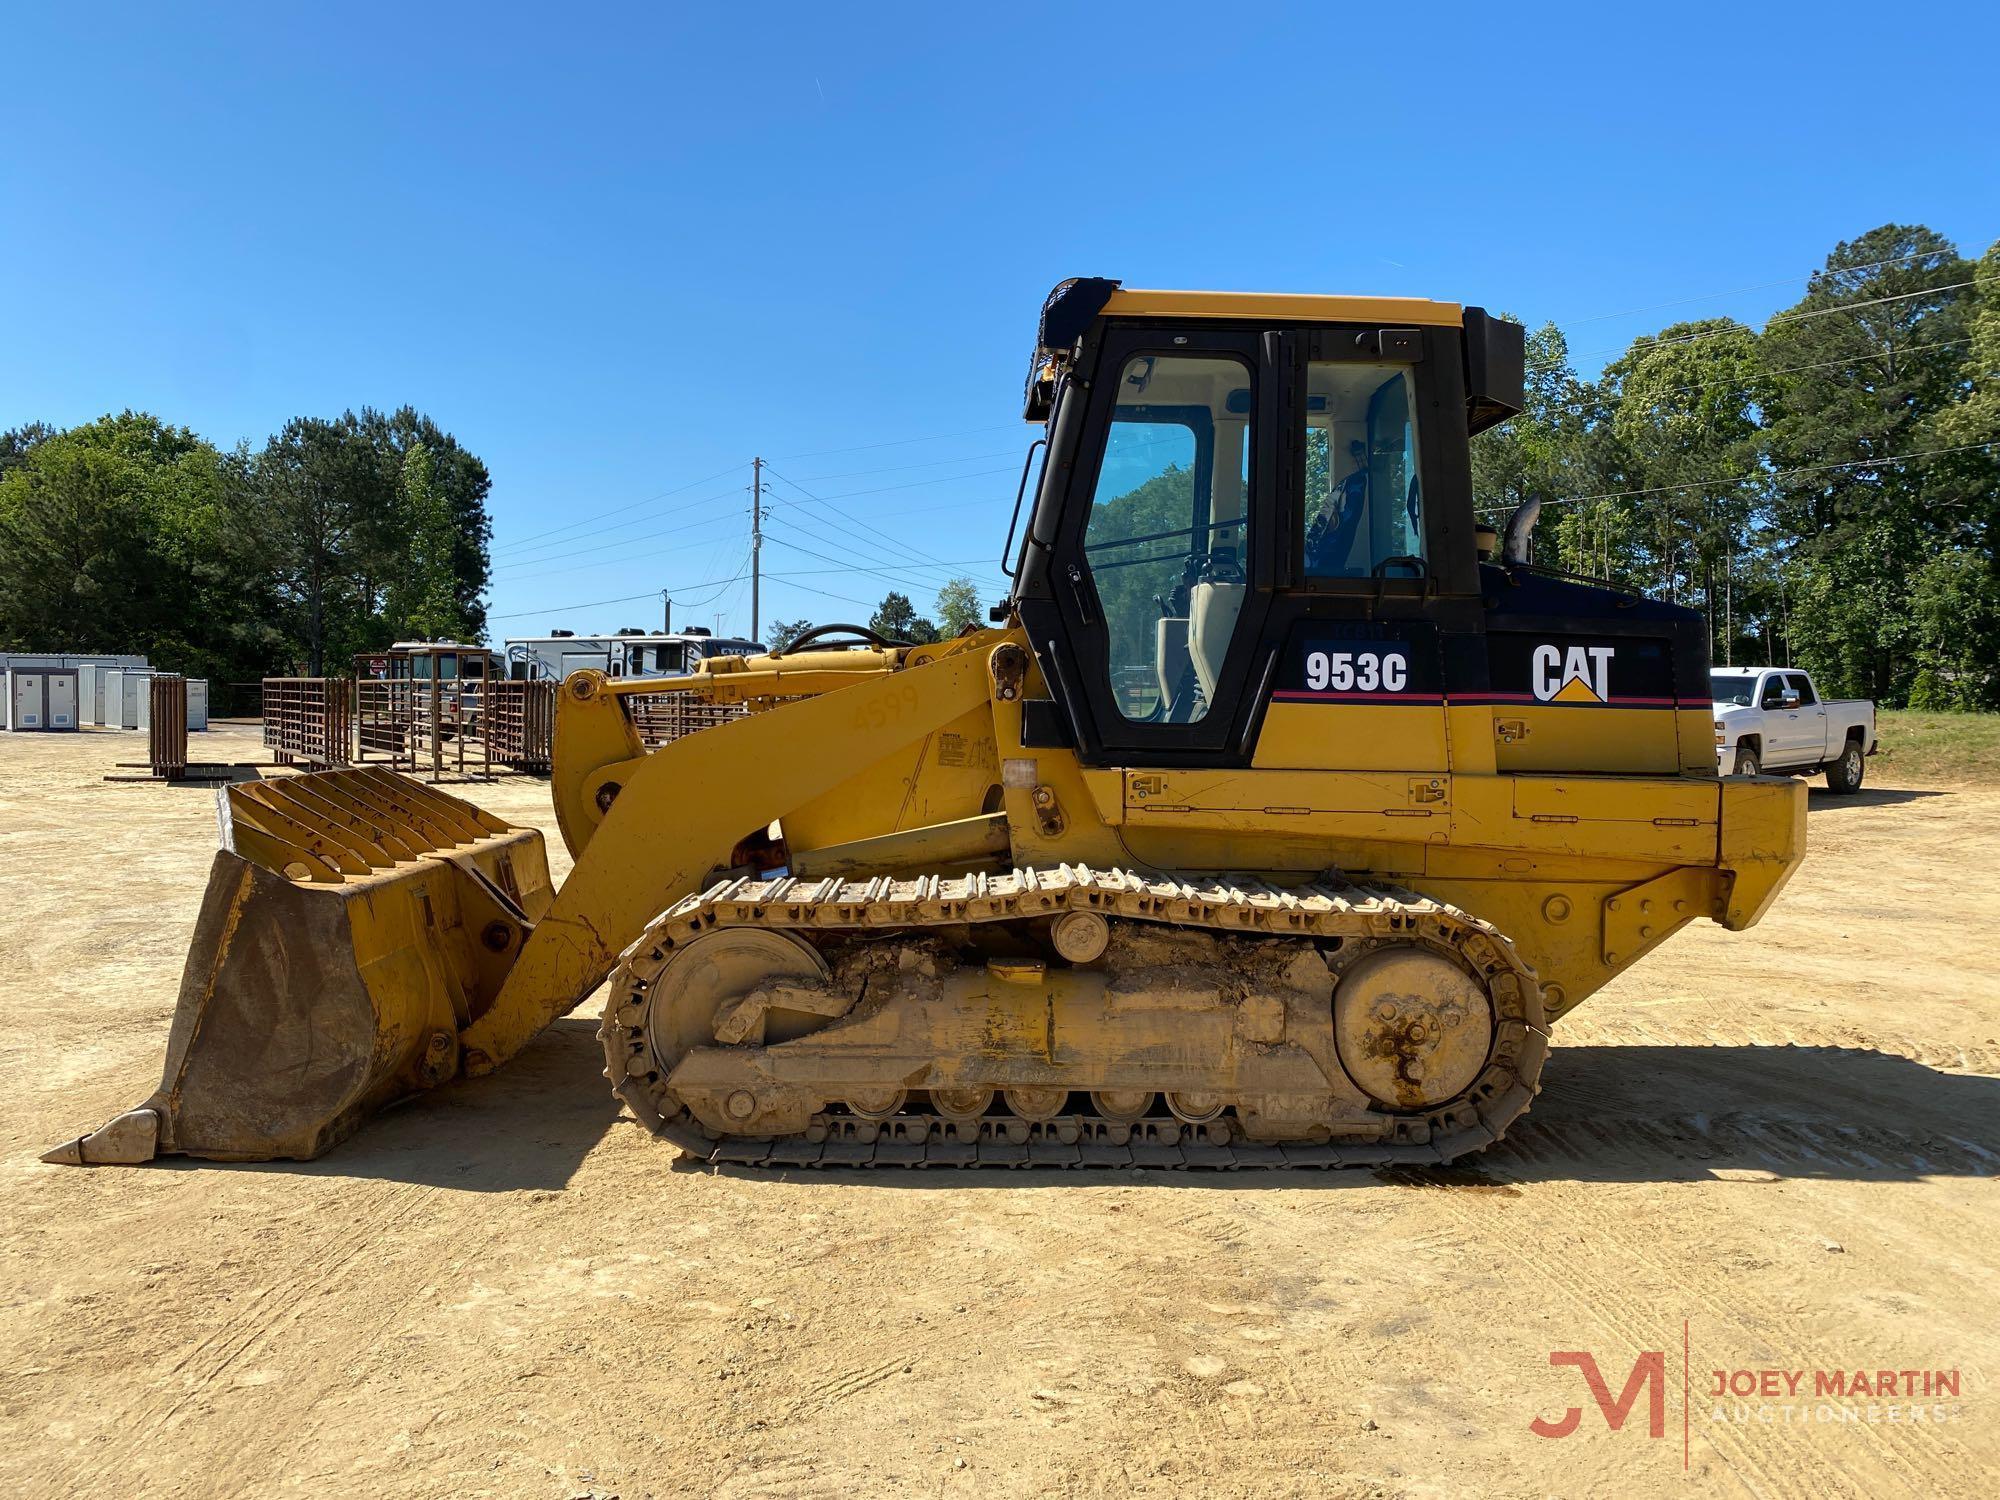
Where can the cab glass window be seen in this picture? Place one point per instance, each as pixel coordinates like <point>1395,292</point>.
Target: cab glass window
<point>1364,506</point>
<point>1803,688</point>
<point>1168,530</point>
<point>1774,691</point>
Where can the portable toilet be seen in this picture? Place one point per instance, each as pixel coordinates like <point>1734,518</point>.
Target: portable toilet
<point>197,703</point>
<point>59,698</point>
<point>128,697</point>
<point>41,698</point>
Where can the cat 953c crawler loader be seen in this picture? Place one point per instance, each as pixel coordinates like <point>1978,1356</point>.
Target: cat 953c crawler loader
<point>1274,822</point>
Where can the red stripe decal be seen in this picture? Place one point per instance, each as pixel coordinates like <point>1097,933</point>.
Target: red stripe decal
<point>1295,696</point>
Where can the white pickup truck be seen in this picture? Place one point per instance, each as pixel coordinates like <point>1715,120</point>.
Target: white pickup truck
<point>1772,719</point>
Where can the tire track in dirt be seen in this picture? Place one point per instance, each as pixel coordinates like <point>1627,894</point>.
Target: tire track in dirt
<point>1634,1318</point>
<point>255,1323</point>
<point>1627,1029</point>
<point>1899,1446</point>
<point>1776,1327</point>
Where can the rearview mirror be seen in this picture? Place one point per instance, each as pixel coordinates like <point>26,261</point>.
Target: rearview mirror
<point>1789,700</point>
<point>1495,369</point>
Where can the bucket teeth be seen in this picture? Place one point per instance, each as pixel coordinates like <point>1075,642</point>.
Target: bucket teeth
<point>125,1141</point>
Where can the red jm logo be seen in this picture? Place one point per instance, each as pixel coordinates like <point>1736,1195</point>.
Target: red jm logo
<point>1648,1371</point>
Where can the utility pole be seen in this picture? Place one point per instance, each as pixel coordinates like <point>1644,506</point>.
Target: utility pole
<point>666,613</point>
<point>756,536</point>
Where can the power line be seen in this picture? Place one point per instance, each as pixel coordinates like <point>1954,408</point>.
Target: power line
<point>585,567</point>
<point>883,489</point>
<point>1873,265</point>
<point>825,503</point>
<point>1793,317</point>
<point>617,510</point>
<point>1702,484</point>
<point>947,570</point>
<point>936,463</point>
<point>936,437</point>
<point>532,562</point>
<point>823,593</point>
<point>541,552</point>
<point>555,609</point>
<point>725,583</point>
<point>1828,364</point>
<point>884,570</point>
<point>901,564</point>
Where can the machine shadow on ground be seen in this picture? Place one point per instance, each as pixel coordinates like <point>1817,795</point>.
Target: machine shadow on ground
<point>1822,800</point>
<point>1605,1114</point>
<point>526,1127</point>
<point>1631,1114</point>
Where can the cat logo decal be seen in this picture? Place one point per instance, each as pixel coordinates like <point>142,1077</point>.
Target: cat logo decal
<point>1576,674</point>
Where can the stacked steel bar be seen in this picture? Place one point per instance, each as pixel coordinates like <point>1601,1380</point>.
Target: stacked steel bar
<point>167,730</point>
<point>520,723</point>
<point>662,718</point>
<point>309,720</point>
<point>385,711</point>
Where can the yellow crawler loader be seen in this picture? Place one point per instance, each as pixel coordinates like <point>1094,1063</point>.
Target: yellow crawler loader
<point>1275,821</point>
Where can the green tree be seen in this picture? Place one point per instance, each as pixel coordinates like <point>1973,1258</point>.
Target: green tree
<point>897,619</point>
<point>462,485</point>
<point>1686,428</point>
<point>1135,578</point>
<point>958,607</point>
<point>1533,455</point>
<point>1973,414</point>
<point>1958,596</point>
<point>75,524</point>
<point>323,495</point>
<point>18,442</point>
<point>427,594</point>
<point>127,534</point>
<point>780,634</point>
<point>1856,375</point>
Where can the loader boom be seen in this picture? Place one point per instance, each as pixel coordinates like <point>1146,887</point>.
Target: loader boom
<point>655,842</point>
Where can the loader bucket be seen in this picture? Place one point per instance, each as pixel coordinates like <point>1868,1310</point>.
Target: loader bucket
<point>356,922</point>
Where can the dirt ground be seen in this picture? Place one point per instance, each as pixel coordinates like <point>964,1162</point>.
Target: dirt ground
<point>1783,1143</point>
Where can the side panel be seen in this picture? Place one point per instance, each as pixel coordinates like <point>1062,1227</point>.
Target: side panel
<point>1356,695</point>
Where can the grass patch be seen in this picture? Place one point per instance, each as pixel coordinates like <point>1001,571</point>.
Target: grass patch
<point>1936,747</point>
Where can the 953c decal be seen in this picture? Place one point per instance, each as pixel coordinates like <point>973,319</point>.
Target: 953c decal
<point>1365,671</point>
<point>1329,668</point>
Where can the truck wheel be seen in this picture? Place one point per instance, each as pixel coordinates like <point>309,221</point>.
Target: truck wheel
<point>1844,775</point>
<point>1747,763</point>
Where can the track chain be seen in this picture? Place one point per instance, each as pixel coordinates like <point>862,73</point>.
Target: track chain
<point>1362,916</point>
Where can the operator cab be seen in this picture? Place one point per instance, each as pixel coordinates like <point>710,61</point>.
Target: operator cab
<point>1222,466</point>
<point>1255,507</point>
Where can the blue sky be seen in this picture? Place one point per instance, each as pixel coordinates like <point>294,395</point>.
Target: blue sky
<point>619,252</point>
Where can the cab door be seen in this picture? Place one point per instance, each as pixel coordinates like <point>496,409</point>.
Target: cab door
<point>1813,738</point>
<point>1158,573</point>
<point>1785,728</point>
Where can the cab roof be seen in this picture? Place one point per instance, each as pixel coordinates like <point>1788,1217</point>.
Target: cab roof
<point>1492,346</point>
<point>1289,307</point>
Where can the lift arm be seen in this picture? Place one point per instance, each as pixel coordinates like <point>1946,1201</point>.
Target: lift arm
<point>677,812</point>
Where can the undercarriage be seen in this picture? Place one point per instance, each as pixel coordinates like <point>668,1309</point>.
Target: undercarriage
<point>1073,1017</point>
